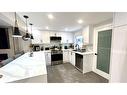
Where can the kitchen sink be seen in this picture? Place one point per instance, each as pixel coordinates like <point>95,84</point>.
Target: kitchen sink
<point>80,50</point>
<point>75,50</point>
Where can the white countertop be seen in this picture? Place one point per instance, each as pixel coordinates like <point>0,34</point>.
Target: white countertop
<point>82,53</point>
<point>24,67</point>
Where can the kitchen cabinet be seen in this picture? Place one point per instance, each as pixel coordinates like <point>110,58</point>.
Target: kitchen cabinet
<point>87,34</point>
<point>41,37</point>
<point>55,33</point>
<point>48,58</point>
<point>65,56</point>
<point>120,18</point>
<point>45,37</point>
<point>118,65</point>
<point>73,58</point>
<point>67,37</point>
<point>69,56</point>
<point>87,62</point>
<point>37,37</point>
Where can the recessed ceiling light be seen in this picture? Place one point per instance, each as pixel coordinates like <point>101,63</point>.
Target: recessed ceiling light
<point>80,21</point>
<point>47,27</point>
<point>50,16</point>
<point>66,29</point>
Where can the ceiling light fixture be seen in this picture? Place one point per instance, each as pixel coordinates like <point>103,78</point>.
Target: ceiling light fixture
<point>31,37</point>
<point>47,27</point>
<point>80,21</point>
<point>27,36</point>
<point>50,16</point>
<point>16,32</point>
<point>66,29</point>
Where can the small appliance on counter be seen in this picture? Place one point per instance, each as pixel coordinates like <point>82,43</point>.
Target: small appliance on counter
<point>71,46</point>
<point>47,48</point>
<point>65,47</point>
<point>36,48</point>
<point>42,48</point>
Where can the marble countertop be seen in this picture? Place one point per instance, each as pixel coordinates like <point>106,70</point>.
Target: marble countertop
<point>24,67</point>
<point>82,53</point>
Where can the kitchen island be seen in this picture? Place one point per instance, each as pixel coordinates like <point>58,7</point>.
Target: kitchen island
<point>25,69</point>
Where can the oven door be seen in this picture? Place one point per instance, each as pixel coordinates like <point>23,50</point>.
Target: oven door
<point>56,59</point>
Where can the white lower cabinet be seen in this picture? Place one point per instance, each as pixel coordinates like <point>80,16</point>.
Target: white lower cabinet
<point>70,56</point>
<point>87,63</point>
<point>48,58</point>
<point>65,56</point>
<point>73,58</point>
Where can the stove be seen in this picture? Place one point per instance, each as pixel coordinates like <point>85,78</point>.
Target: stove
<point>56,57</point>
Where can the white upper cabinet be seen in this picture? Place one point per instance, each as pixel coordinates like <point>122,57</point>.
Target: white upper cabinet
<point>55,33</point>
<point>120,18</point>
<point>67,37</point>
<point>87,34</point>
<point>45,37</point>
<point>37,37</point>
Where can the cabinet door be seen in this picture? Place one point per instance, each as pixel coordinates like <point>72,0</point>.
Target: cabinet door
<point>73,58</point>
<point>87,63</point>
<point>70,38</point>
<point>48,58</point>
<point>67,37</point>
<point>65,56</point>
<point>70,57</point>
<point>45,37</point>
<point>85,34</point>
<point>120,18</point>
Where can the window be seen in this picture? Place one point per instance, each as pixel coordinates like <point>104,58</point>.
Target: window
<point>79,40</point>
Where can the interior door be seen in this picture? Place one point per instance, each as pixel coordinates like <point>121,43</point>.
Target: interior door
<point>104,50</point>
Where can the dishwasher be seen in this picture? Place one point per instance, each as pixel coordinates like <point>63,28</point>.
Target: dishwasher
<point>79,62</point>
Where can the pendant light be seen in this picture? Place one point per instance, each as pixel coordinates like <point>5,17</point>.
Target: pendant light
<point>27,36</point>
<point>16,32</point>
<point>31,37</point>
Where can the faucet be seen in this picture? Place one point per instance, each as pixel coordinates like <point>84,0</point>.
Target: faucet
<point>76,46</point>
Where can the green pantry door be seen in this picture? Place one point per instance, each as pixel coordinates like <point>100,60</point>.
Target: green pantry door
<point>103,50</point>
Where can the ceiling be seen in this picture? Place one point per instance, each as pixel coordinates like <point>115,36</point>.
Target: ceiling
<point>65,21</point>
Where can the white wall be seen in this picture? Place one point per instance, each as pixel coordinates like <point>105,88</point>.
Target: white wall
<point>119,49</point>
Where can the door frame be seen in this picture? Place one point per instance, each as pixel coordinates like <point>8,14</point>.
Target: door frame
<point>96,30</point>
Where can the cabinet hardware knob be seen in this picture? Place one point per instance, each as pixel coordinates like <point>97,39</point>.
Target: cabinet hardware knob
<point>96,54</point>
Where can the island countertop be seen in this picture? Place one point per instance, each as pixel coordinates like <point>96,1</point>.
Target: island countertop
<point>24,67</point>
